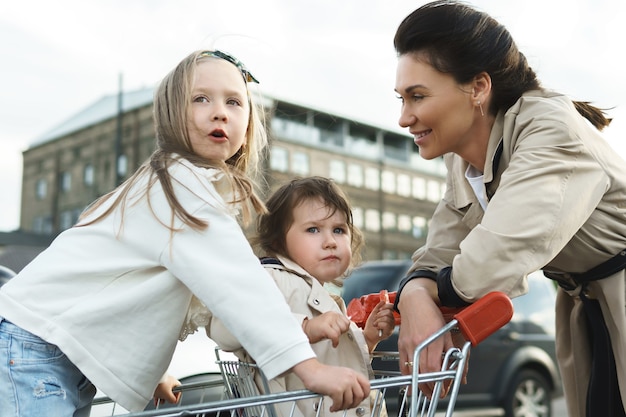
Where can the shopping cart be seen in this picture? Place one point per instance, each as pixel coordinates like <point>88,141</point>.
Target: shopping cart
<point>243,399</point>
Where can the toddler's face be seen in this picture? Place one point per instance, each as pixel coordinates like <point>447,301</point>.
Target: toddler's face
<point>318,242</point>
<point>220,110</point>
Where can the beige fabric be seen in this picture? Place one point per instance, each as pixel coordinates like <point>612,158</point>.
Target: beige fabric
<point>572,350</point>
<point>557,201</point>
<point>307,298</point>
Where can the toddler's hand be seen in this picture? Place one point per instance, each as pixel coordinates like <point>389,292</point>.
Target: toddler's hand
<point>328,325</point>
<point>164,391</point>
<point>380,324</point>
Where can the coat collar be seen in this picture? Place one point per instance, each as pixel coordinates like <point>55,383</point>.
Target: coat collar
<point>294,268</point>
<point>494,149</point>
<point>314,299</point>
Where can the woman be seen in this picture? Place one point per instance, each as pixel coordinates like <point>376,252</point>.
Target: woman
<point>531,185</point>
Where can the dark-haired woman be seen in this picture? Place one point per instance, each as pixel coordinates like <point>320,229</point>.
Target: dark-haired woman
<point>531,185</point>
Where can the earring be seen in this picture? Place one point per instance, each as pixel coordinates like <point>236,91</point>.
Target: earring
<point>481,108</point>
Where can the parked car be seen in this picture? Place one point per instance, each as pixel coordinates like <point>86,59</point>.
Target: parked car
<point>514,369</point>
<point>5,275</point>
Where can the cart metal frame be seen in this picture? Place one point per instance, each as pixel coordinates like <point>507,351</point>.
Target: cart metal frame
<point>242,398</point>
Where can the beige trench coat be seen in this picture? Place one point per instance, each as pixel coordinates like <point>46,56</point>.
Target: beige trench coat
<point>307,298</point>
<point>557,201</point>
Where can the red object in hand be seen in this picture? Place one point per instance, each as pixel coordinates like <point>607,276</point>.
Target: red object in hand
<point>359,309</point>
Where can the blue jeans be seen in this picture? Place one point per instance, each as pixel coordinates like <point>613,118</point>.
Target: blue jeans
<point>37,379</point>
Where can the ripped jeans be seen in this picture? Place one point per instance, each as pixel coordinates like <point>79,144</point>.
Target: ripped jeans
<point>37,379</point>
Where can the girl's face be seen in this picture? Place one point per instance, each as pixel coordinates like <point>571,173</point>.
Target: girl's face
<point>438,111</point>
<point>318,243</point>
<point>219,111</point>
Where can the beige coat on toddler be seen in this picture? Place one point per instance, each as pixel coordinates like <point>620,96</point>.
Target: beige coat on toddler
<point>307,299</point>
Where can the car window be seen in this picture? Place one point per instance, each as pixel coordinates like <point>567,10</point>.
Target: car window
<point>371,278</point>
<point>537,306</point>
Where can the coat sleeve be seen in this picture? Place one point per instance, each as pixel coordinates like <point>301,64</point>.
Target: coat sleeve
<point>218,266</point>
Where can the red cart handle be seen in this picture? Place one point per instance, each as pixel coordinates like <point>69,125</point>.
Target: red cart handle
<point>476,321</point>
<point>482,318</point>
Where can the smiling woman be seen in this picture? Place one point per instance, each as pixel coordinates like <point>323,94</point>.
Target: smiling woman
<point>518,156</point>
<point>438,111</point>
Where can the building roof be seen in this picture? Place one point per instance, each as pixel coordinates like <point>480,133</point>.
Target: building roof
<point>107,107</point>
<point>103,109</point>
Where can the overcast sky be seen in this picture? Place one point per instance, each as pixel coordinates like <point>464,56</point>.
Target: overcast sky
<point>58,57</point>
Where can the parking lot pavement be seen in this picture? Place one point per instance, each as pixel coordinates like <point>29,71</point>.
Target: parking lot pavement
<point>558,410</point>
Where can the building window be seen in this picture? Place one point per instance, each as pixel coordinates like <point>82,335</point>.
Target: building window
<point>434,191</point>
<point>404,223</point>
<point>419,188</point>
<point>279,159</point>
<point>389,221</point>
<point>122,165</point>
<point>372,181</point>
<point>88,175</point>
<point>300,163</point>
<point>66,220</point>
<point>41,189</point>
<point>66,182</point>
<point>389,182</point>
<point>357,217</point>
<point>404,185</point>
<point>419,227</point>
<point>372,220</point>
<point>42,225</point>
<point>355,175</point>
<point>337,171</point>
<point>76,215</point>
<point>404,255</point>
<point>37,224</point>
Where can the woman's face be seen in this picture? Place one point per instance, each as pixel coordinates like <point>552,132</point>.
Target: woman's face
<point>219,112</point>
<point>438,111</point>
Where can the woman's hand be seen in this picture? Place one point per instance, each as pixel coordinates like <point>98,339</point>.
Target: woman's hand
<point>421,317</point>
<point>164,391</point>
<point>346,387</point>
<point>379,325</point>
<point>328,325</point>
